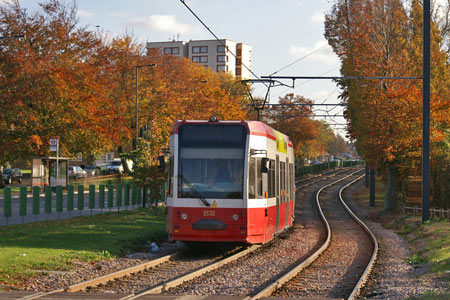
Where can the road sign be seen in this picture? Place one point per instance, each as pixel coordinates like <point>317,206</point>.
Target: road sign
<point>54,144</point>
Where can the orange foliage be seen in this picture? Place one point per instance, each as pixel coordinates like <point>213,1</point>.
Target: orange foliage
<point>381,38</point>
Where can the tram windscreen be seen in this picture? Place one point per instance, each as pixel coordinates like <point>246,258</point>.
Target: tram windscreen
<point>211,161</point>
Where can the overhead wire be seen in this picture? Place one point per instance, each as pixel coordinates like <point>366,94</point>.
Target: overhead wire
<point>304,82</point>
<point>221,42</point>
<point>301,58</point>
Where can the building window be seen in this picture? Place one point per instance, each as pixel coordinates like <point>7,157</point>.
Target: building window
<point>238,61</point>
<point>222,68</point>
<point>222,58</point>
<point>221,49</point>
<point>200,49</point>
<point>200,59</point>
<point>239,52</point>
<point>172,50</point>
<point>238,71</point>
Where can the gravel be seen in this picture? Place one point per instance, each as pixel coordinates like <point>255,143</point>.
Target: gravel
<point>335,273</point>
<point>82,271</point>
<point>393,277</point>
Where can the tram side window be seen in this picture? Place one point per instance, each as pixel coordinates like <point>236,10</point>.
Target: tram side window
<point>271,178</point>
<point>277,177</point>
<point>292,180</point>
<point>251,178</point>
<point>283,181</point>
<point>171,166</point>
<point>288,181</point>
<point>259,179</point>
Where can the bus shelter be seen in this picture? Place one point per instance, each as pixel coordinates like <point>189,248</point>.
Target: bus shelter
<point>51,171</point>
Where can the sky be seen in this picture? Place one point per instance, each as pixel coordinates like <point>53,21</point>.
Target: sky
<point>280,33</point>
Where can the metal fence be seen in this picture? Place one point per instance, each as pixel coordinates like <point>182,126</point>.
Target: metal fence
<point>434,212</point>
<point>75,200</point>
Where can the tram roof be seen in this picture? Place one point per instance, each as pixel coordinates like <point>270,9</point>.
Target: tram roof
<point>253,128</point>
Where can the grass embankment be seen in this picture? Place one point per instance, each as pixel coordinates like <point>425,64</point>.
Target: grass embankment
<point>52,245</point>
<point>430,241</point>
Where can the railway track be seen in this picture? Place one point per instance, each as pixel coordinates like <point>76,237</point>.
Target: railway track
<point>343,263</point>
<point>293,248</point>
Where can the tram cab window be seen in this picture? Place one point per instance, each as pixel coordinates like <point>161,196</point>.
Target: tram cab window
<point>211,161</point>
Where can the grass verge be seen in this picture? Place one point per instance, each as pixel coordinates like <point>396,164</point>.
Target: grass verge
<point>52,245</point>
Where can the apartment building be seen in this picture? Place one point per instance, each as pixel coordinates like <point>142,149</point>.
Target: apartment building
<point>212,53</point>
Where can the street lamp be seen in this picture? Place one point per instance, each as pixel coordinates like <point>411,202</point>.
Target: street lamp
<point>137,100</point>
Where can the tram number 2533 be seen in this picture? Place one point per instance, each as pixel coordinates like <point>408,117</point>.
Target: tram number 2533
<point>209,213</point>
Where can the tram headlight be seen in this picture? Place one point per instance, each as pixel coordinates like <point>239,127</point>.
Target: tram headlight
<point>235,217</point>
<point>184,216</point>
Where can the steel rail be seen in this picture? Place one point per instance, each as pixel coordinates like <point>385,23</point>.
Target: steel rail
<point>293,272</point>
<point>104,279</point>
<point>370,265</point>
<point>178,281</point>
<point>314,176</point>
<point>326,176</point>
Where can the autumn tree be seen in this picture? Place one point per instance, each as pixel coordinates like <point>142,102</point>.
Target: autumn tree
<point>380,38</point>
<point>292,116</point>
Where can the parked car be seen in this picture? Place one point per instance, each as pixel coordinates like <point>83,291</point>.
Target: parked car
<point>11,175</point>
<point>114,167</point>
<point>91,170</point>
<point>77,172</point>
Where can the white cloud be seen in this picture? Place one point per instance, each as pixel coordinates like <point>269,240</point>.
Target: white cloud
<point>320,95</point>
<point>162,23</point>
<point>120,14</point>
<point>324,55</point>
<point>318,17</point>
<point>86,14</point>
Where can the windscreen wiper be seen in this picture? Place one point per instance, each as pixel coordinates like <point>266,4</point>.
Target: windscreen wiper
<point>193,189</point>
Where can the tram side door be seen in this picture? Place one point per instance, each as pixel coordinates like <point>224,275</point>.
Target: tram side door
<point>277,191</point>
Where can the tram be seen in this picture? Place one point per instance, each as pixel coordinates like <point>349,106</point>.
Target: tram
<point>229,181</point>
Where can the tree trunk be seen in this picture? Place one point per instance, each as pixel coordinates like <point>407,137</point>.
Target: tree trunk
<point>390,202</point>
<point>126,169</point>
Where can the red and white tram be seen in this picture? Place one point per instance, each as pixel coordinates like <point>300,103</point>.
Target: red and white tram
<point>229,181</point>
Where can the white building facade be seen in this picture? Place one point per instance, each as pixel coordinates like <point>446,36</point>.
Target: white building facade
<point>212,53</point>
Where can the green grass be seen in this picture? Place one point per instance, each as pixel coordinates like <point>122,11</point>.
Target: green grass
<point>53,245</point>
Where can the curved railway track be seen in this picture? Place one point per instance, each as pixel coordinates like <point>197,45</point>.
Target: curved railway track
<point>184,277</point>
<point>332,271</point>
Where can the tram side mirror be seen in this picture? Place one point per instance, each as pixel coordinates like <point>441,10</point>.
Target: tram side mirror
<point>162,163</point>
<point>264,165</point>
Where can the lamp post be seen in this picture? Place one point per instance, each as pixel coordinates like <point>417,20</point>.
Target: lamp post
<point>137,100</point>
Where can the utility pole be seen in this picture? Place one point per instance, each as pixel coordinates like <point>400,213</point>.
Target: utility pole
<point>426,113</point>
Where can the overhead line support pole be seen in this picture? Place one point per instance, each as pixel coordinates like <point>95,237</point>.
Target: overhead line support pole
<point>426,113</point>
